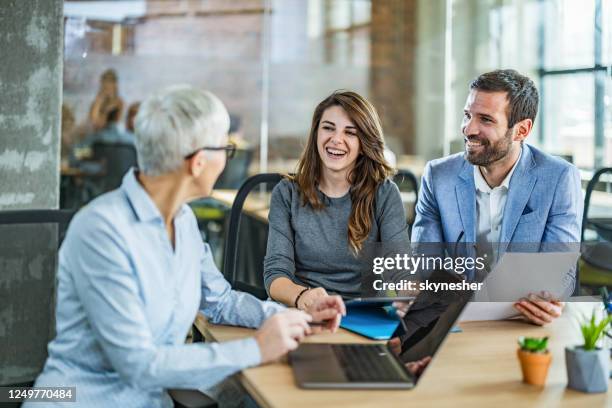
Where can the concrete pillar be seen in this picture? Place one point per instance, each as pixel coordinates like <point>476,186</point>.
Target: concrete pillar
<point>31,45</point>
<point>30,98</point>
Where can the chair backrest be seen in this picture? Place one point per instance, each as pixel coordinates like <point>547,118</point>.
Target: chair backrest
<point>230,262</point>
<point>117,159</point>
<point>236,170</point>
<point>407,183</point>
<point>29,242</point>
<point>587,204</point>
<point>596,249</point>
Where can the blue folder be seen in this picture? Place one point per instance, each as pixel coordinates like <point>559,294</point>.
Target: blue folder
<point>378,323</point>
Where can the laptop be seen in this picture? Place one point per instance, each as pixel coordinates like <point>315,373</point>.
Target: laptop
<point>374,366</point>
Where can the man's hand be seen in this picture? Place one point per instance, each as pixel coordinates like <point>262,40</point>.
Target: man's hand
<point>282,333</point>
<point>539,309</point>
<point>401,308</point>
<point>308,298</point>
<point>328,310</point>
<point>395,345</point>
<point>417,367</point>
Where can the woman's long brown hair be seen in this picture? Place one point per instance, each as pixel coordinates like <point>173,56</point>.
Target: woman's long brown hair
<point>370,170</point>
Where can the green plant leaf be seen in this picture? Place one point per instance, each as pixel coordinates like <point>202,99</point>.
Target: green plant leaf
<point>593,330</point>
<point>533,344</point>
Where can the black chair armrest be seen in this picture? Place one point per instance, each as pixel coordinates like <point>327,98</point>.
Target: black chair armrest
<point>191,399</point>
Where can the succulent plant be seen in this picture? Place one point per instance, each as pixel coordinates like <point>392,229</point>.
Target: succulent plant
<point>534,344</point>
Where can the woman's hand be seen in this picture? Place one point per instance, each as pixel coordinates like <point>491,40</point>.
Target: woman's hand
<point>327,310</point>
<point>281,333</point>
<point>309,297</point>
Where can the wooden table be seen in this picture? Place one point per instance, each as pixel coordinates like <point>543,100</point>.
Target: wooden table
<point>413,163</point>
<point>475,368</point>
<point>257,204</point>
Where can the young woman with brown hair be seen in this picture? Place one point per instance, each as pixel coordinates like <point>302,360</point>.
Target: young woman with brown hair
<point>340,199</point>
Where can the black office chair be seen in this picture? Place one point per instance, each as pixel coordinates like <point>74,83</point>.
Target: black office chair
<point>407,183</point>
<point>236,170</point>
<point>254,282</point>
<point>60,217</point>
<point>117,158</point>
<point>596,262</point>
<point>191,399</point>
<point>29,242</point>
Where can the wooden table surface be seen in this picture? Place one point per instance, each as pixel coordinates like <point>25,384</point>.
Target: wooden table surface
<point>257,204</point>
<point>475,368</point>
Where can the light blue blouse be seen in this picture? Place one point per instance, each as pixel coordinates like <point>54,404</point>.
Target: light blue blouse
<point>126,300</point>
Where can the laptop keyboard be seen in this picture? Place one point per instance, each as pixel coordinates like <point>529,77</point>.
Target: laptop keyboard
<point>365,363</point>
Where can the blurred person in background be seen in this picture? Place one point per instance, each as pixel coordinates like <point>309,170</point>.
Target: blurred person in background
<point>68,132</point>
<point>132,111</point>
<point>105,115</point>
<point>111,132</point>
<point>106,101</point>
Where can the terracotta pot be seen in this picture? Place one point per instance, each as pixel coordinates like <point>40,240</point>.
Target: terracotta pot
<point>534,366</point>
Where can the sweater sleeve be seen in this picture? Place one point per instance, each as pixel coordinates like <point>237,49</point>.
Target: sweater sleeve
<point>390,214</point>
<point>280,252</point>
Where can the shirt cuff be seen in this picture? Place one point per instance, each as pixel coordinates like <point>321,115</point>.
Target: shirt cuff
<point>270,308</point>
<point>247,350</point>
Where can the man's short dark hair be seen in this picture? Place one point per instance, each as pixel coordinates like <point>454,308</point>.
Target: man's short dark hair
<point>521,92</point>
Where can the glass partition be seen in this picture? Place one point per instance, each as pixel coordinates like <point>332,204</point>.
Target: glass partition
<point>272,61</point>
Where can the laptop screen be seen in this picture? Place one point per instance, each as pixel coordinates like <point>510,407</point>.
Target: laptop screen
<point>428,321</point>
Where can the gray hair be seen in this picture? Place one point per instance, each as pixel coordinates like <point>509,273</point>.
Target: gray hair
<point>175,122</point>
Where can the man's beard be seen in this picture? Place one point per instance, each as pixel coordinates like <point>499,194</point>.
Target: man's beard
<point>490,152</point>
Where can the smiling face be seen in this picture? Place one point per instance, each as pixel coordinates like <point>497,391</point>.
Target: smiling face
<point>337,140</point>
<point>485,128</point>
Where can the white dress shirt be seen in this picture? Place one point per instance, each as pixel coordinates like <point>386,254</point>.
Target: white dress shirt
<point>490,204</point>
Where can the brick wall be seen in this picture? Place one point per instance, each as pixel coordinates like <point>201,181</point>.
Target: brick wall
<point>392,75</point>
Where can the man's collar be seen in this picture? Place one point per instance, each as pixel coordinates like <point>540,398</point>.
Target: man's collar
<point>481,183</point>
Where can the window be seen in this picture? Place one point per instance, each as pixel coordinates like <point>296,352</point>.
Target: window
<point>575,80</point>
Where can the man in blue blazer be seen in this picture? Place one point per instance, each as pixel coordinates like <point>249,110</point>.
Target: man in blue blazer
<point>501,190</point>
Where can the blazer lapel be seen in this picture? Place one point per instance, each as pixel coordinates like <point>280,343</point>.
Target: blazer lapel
<point>466,201</point>
<point>519,191</point>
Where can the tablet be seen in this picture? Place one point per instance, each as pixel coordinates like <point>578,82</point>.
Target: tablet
<point>518,274</point>
<point>374,322</point>
<point>377,301</point>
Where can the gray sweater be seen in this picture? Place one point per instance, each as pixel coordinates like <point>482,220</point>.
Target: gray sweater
<point>311,247</point>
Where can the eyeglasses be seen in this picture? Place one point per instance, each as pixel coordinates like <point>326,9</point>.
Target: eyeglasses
<point>230,150</point>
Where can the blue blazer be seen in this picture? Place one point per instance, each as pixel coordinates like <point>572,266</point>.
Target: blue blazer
<point>544,202</point>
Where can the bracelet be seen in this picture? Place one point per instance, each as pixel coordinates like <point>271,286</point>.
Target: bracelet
<point>299,296</point>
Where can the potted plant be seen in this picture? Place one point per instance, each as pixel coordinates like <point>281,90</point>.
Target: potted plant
<point>535,359</point>
<point>588,366</point>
